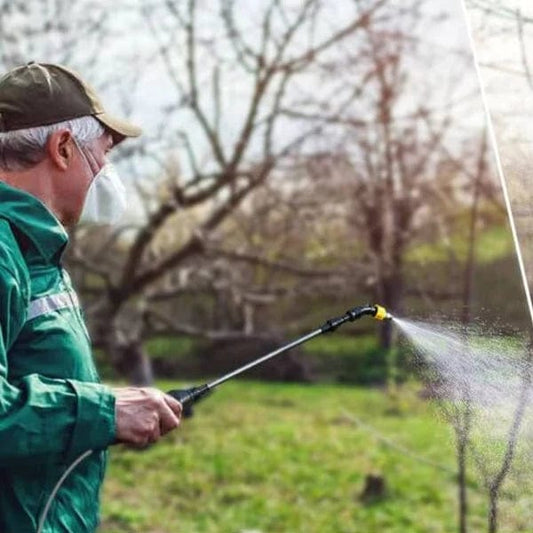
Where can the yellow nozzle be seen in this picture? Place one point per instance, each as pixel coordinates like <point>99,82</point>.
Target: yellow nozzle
<point>381,313</point>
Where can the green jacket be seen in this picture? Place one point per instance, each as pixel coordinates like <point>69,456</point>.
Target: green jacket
<point>52,406</point>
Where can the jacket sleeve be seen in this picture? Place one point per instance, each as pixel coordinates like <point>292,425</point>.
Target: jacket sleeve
<point>44,419</point>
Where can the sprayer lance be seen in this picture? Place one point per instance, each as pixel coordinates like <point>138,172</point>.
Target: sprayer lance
<point>189,396</point>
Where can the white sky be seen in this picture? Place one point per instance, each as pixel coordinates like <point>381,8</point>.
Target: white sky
<point>128,55</point>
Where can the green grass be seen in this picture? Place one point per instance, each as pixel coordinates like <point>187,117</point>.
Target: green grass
<point>286,458</point>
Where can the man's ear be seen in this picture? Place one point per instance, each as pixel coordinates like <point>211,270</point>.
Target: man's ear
<point>60,148</point>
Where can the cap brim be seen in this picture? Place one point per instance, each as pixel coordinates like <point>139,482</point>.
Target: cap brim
<point>122,128</point>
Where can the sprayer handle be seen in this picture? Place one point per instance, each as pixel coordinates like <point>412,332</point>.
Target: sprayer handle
<point>189,396</point>
<point>182,395</point>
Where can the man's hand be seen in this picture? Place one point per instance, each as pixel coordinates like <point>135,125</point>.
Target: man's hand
<point>143,415</point>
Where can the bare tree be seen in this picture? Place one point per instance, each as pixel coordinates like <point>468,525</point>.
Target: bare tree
<point>220,167</point>
<point>392,163</point>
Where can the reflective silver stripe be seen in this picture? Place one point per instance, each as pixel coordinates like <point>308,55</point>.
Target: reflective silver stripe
<point>47,304</point>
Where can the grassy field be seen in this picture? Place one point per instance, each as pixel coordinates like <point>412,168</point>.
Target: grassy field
<point>289,458</point>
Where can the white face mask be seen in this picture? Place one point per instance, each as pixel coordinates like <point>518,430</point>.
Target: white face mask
<point>106,198</point>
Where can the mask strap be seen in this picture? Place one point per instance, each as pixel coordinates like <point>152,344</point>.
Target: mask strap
<point>84,157</point>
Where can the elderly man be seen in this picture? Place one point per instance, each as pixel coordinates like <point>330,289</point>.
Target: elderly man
<point>54,137</point>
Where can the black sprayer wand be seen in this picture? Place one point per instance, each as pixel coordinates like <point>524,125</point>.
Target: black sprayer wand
<point>188,396</point>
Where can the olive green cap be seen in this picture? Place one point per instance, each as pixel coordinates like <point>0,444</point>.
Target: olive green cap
<point>40,94</point>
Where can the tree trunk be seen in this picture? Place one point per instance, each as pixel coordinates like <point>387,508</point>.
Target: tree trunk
<point>465,418</point>
<point>132,361</point>
<point>493,511</point>
<point>462,435</point>
<point>390,297</point>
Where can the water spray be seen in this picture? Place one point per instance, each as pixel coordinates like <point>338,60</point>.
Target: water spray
<point>191,395</point>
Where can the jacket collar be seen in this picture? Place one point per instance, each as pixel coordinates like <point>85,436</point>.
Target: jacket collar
<point>45,234</point>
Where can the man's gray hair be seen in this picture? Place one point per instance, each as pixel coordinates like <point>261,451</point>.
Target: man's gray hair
<point>22,149</point>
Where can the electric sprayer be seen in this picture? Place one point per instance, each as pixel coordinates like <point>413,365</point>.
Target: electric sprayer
<point>187,397</point>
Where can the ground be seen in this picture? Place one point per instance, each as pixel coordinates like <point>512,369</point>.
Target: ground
<point>292,458</point>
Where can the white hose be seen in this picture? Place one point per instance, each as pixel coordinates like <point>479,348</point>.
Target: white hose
<point>76,462</point>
